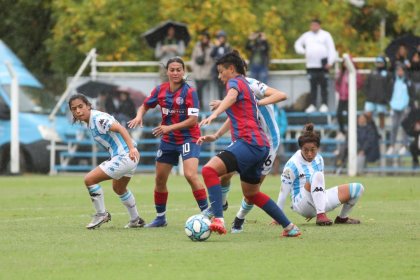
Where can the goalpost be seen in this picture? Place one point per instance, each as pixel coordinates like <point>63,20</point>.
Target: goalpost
<point>352,116</point>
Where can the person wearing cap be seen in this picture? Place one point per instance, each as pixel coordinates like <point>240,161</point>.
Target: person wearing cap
<point>221,47</point>
<point>378,88</point>
<point>318,47</point>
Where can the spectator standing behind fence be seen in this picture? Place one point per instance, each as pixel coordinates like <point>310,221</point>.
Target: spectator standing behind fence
<point>127,109</point>
<point>258,62</point>
<point>220,48</point>
<point>401,99</point>
<point>168,48</point>
<point>400,57</point>
<point>415,73</point>
<point>342,87</point>
<point>202,65</point>
<point>367,142</point>
<point>318,47</point>
<point>378,89</point>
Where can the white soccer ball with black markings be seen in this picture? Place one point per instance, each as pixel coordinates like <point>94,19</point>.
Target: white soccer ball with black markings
<point>197,227</point>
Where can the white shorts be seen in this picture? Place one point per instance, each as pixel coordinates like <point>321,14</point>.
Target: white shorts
<point>304,205</point>
<point>269,161</point>
<point>119,166</point>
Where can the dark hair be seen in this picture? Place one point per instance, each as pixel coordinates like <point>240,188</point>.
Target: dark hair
<point>309,136</point>
<point>233,58</point>
<point>316,20</point>
<point>81,97</point>
<point>175,59</point>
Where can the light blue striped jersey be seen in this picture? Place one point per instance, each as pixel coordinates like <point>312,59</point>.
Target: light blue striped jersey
<point>298,171</point>
<point>268,120</point>
<point>113,142</point>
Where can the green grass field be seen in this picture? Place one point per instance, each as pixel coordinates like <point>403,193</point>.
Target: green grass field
<point>43,235</point>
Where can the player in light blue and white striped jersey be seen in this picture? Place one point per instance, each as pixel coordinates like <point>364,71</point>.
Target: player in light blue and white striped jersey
<point>120,167</point>
<point>267,97</point>
<point>303,178</point>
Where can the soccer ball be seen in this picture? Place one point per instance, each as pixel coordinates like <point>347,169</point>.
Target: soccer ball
<point>197,227</point>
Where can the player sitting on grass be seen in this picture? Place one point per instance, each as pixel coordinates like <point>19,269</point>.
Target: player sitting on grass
<point>120,167</point>
<point>303,178</point>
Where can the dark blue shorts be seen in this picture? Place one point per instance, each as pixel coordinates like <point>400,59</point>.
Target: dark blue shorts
<point>249,158</point>
<point>169,153</point>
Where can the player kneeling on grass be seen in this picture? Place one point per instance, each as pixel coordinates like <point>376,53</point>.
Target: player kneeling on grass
<point>303,177</point>
<point>120,167</point>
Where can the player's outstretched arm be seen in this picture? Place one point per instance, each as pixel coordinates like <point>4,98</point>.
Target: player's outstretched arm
<point>134,153</point>
<point>215,136</point>
<point>138,120</point>
<point>165,129</point>
<point>228,101</point>
<point>272,96</point>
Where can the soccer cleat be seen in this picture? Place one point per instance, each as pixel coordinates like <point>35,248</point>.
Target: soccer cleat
<point>136,223</point>
<point>294,232</point>
<point>98,219</point>
<point>347,220</point>
<point>208,213</point>
<point>225,206</point>
<point>322,220</point>
<point>218,226</point>
<point>237,225</point>
<point>159,221</point>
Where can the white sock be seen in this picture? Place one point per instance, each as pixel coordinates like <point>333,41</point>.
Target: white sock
<point>319,196</point>
<point>225,191</point>
<point>130,203</point>
<point>245,209</point>
<point>97,195</point>
<point>356,191</point>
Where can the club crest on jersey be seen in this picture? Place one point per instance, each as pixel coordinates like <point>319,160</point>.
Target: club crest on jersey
<point>179,100</point>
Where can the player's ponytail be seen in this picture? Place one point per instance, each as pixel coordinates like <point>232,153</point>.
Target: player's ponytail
<point>233,58</point>
<point>309,135</point>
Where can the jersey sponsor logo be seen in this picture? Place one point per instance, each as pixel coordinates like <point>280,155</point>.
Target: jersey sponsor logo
<point>167,111</point>
<point>179,100</point>
<point>301,175</point>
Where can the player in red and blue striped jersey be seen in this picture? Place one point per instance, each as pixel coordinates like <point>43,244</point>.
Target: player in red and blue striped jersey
<point>248,150</point>
<point>179,131</point>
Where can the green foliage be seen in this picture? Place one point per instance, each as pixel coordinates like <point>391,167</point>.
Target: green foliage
<point>42,221</point>
<point>54,36</point>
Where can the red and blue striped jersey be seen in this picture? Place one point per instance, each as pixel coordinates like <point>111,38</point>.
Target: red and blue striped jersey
<point>176,107</point>
<point>243,114</point>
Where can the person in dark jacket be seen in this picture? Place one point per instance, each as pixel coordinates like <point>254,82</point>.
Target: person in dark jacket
<point>126,110</point>
<point>259,49</point>
<point>220,48</point>
<point>411,126</point>
<point>377,88</point>
<point>367,142</point>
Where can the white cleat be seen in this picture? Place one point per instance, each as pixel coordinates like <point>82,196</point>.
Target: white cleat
<point>98,219</point>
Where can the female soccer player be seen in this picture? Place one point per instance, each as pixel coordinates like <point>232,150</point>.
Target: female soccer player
<point>248,150</point>
<point>179,131</point>
<point>266,98</point>
<point>303,177</point>
<point>120,167</point>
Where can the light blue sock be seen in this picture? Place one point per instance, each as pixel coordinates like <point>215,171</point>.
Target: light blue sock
<point>245,209</point>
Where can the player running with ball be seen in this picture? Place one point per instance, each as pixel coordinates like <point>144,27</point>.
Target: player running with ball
<point>247,152</point>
